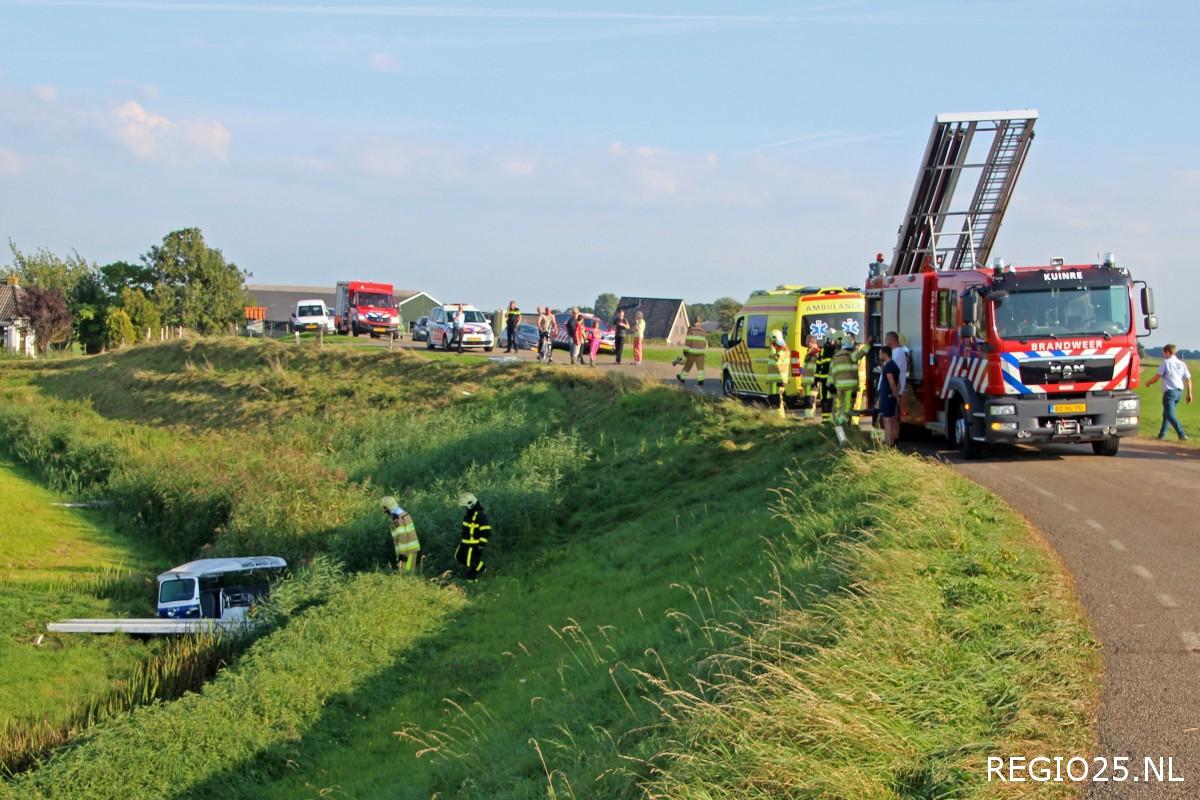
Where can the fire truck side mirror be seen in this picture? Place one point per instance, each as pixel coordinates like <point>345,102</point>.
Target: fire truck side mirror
<point>967,331</point>
<point>1151,322</point>
<point>970,308</point>
<point>1147,301</point>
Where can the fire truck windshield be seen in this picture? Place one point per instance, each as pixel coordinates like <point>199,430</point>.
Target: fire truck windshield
<point>373,299</point>
<point>1037,311</point>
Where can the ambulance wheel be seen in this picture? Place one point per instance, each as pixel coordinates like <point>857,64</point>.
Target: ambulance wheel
<point>1106,447</point>
<point>727,387</point>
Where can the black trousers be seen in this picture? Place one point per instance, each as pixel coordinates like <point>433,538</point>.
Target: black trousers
<point>619,347</point>
<point>512,338</point>
<point>456,337</point>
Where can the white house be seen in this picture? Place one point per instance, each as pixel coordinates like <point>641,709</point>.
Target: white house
<point>15,333</point>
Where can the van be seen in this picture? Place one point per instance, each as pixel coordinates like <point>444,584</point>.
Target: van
<point>747,367</point>
<point>312,315</point>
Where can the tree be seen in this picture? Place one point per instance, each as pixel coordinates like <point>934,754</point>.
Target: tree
<point>46,270</point>
<point>121,275</point>
<point>89,304</point>
<point>724,310</point>
<point>143,314</point>
<point>605,306</point>
<point>118,329</point>
<point>193,283</point>
<point>49,317</point>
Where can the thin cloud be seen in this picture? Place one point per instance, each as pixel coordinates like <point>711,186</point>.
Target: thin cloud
<point>383,62</point>
<point>822,140</point>
<point>45,92</point>
<point>10,163</point>
<point>816,13</point>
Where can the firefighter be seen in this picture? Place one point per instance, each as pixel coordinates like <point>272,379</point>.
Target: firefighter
<point>779,367</point>
<point>693,352</point>
<point>821,374</point>
<point>404,536</point>
<point>809,384</point>
<point>475,532</point>
<point>843,374</point>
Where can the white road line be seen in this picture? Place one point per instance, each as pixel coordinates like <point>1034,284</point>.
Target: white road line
<point>1044,492</point>
<point>1191,641</point>
<point>1143,572</point>
<point>1071,508</point>
<point>1117,545</point>
<point>1093,524</point>
<point>1167,601</point>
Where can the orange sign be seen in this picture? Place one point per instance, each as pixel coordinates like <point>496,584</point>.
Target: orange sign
<point>256,312</point>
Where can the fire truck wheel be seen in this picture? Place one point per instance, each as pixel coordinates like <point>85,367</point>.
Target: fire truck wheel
<point>968,448</point>
<point>1106,447</point>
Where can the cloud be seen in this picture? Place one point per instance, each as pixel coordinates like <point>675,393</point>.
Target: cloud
<point>517,166</point>
<point>383,62</point>
<point>153,137</point>
<point>10,164</point>
<point>45,92</point>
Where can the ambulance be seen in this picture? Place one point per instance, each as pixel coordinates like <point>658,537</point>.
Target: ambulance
<point>747,367</point>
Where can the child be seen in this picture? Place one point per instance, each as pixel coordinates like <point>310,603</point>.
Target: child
<point>593,343</point>
<point>639,334</point>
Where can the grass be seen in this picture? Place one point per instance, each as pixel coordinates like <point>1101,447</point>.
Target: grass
<point>658,558</point>
<point>59,562</point>
<point>1189,414</point>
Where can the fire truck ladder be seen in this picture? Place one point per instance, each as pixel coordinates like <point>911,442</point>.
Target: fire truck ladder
<point>927,225</point>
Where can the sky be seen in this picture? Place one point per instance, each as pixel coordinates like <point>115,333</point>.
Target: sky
<point>550,151</point>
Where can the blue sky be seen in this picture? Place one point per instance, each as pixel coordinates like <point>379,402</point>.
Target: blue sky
<point>551,151</point>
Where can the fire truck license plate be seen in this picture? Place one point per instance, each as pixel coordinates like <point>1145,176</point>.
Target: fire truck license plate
<point>1068,408</point>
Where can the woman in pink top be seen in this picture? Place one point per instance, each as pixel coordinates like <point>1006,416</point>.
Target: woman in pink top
<point>594,347</point>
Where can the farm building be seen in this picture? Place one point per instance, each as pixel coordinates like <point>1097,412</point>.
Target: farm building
<point>15,335</point>
<point>280,302</point>
<point>665,318</point>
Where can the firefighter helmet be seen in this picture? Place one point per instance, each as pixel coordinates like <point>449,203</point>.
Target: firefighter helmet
<point>388,503</point>
<point>777,338</point>
<point>466,499</point>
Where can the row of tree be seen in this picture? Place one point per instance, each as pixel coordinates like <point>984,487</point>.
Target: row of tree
<point>181,282</point>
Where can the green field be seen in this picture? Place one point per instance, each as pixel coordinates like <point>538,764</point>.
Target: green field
<point>52,560</point>
<point>1189,414</point>
<point>688,598</point>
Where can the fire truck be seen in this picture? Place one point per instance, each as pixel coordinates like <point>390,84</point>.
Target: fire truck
<point>365,307</point>
<point>1037,354</point>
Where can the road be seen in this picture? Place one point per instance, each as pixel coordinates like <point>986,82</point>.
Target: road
<point>1128,530</point>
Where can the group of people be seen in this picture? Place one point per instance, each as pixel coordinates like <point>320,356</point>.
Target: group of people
<point>473,541</point>
<point>583,339</point>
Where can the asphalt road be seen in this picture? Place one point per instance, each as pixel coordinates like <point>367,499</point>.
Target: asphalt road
<point>1128,530</point>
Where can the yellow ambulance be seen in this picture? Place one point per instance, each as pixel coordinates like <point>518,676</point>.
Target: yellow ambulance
<point>748,369</point>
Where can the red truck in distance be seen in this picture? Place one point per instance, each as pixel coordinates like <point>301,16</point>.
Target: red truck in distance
<point>365,307</point>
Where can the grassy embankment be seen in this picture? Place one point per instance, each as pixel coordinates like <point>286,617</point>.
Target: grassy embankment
<point>54,561</point>
<point>1151,414</point>
<point>659,621</point>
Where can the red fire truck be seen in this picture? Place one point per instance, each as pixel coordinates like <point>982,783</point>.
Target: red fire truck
<point>997,354</point>
<point>365,307</point>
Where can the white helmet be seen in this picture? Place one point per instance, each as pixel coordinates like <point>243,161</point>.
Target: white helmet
<point>466,500</point>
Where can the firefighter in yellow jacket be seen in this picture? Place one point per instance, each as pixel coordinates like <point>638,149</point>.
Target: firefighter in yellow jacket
<point>778,373</point>
<point>404,536</point>
<point>693,352</point>
<point>475,533</point>
<point>843,374</point>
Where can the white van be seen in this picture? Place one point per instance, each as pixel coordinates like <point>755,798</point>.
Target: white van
<point>312,315</point>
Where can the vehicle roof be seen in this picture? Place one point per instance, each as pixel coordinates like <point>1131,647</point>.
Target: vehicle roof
<point>312,302</point>
<point>218,566</point>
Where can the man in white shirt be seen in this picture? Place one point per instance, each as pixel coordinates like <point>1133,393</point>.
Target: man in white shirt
<point>900,356</point>
<point>1176,381</point>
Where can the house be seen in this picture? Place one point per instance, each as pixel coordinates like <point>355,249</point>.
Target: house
<point>665,318</point>
<point>280,301</point>
<point>15,334</point>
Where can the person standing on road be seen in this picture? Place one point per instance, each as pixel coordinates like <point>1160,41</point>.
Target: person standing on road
<point>889,396</point>
<point>639,336</point>
<point>821,374</point>
<point>843,374</point>
<point>620,328</point>
<point>476,530</point>
<point>593,340</point>
<point>779,368</point>
<point>404,536</point>
<point>547,327</point>
<point>812,389</point>
<point>512,318</point>
<point>457,325</point>
<point>901,356</point>
<point>574,334</point>
<point>693,352</point>
<point>1176,383</point>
